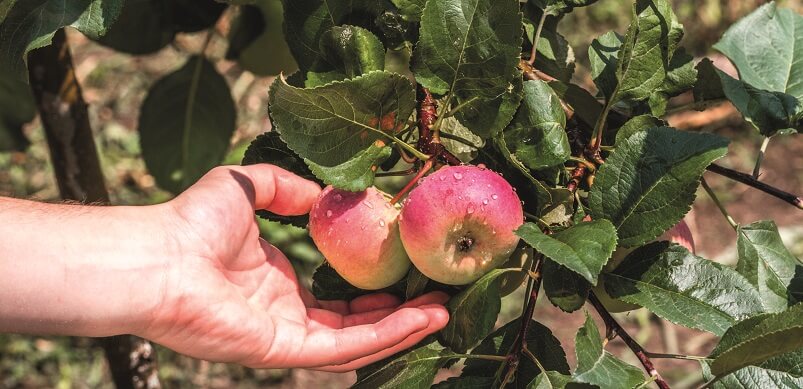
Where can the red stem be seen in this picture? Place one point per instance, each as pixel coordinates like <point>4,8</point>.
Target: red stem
<point>411,184</point>
<point>428,143</point>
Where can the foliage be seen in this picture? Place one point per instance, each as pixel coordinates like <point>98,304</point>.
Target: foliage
<point>348,115</point>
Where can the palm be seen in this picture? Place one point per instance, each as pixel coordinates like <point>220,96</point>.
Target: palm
<point>235,298</point>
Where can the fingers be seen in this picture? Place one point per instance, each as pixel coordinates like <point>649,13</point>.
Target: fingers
<point>278,190</point>
<point>366,309</point>
<point>438,317</point>
<point>373,302</point>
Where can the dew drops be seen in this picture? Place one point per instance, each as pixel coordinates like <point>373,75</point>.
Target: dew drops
<point>367,204</point>
<point>443,178</point>
<point>485,202</point>
<point>489,185</point>
<point>338,197</point>
<point>482,166</point>
<point>493,232</point>
<point>381,223</point>
<point>329,213</point>
<point>470,209</point>
<point>514,188</point>
<point>459,197</point>
<point>362,228</point>
<point>457,176</point>
<point>494,196</point>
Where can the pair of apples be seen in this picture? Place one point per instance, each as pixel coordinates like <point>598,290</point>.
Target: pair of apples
<point>455,226</point>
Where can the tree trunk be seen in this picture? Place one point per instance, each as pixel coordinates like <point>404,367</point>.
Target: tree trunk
<point>65,119</point>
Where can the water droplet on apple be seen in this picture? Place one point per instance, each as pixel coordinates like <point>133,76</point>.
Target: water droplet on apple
<point>470,209</point>
<point>457,176</point>
<point>367,204</point>
<point>485,202</point>
<point>329,213</point>
<point>338,197</point>
<point>381,223</point>
<point>362,228</point>
<point>482,166</point>
<point>494,196</point>
<point>443,178</point>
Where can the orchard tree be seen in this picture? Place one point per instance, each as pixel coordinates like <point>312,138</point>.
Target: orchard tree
<point>515,176</point>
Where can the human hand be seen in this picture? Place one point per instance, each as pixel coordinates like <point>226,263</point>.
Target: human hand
<point>230,296</point>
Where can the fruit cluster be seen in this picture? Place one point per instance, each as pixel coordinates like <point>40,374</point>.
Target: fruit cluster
<point>455,226</point>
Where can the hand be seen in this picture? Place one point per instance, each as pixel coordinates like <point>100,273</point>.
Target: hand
<point>230,296</point>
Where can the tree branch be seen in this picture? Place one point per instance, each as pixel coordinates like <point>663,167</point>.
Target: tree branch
<point>755,183</point>
<point>428,140</point>
<point>616,329</point>
<point>64,116</point>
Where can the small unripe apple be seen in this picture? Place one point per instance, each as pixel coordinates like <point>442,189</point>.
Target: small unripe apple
<point>358,234</point>
<point>458,223</point>
<point>680,234</point>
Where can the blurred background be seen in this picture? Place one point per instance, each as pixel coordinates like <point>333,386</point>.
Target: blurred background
<point>115,85</point>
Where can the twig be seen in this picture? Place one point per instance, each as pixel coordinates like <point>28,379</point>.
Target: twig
<point>721,207</point>
<point>536,38</point>
<point>405,172</point>
<point>576,176</point>
<point>616,329</point>
<point>676,356</point>
<point>697,106</point>
<point>413,181</point>
<point>429,138</point>
<point>760,157</point>
<point>750,181</point>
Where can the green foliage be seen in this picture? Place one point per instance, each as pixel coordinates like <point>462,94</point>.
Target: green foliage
<point>414,368</point>
<point>683,288</point>
<point>16,108</point>
<point>256,39</point>
<point>598,367</point>
<point>564,288</point>
<point>185,124</point>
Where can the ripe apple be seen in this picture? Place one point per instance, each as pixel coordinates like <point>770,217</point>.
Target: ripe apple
<point>680,234</point>
<point>458,223</point>
<point>358,233</point>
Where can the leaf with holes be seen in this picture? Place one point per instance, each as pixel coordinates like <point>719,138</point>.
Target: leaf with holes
<point>186,124</point>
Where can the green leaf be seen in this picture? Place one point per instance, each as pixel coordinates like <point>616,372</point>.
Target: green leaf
<point>555,57</point>
<point>603,53</point>
<point>356,174</point>
<point>561,7</point>
<point>144,27</point>
<point>411,369</point>
<point>496,155</point>
<point>473,312</point>
<point>186,123</point>
<point>468,50</point>
<point>343,123</point>
<point>646,50</point>
<point>17,107</point>
<point>466,383</point>
<point>583,248</point>
<point>551,380</point>
<point>758,339</point>
<point>416,283</point>
<point>636,124</point>
<point>348,51</point>
<point>257,40</point>
<point>766,47</point>
<point>683,288</point>
<point>540,341</point>
<point>537,134</point>
<point>328,285</point>
<point>649,182</point>
<point>269,148</point>
<point>305,22</point>
<point>564,288</point>
<point>464,152</point>
<point>768,111</point>
<point>410,9</point>
<point>31,24</point>
<point>485,117</point>
<point>754,377</point>
<point>766,263</point>
<point>585,106</point>
<point>681,76</point>
<point>598,367</point>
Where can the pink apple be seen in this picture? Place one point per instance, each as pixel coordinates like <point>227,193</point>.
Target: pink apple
<point>358,234</point>
<point>458,223</point>
<point>680,234</point>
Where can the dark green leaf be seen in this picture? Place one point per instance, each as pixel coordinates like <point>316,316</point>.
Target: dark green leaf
<point>31,24</point>
<point>537,134</point>
<point>683,288</point>
<point>343,123</point>
<point>328,285</point>
<point>767,111</point>
<point>473,312</point>
<point>583,248</point>
<point>468,50</point>
<point>17,107</point>
<point>307,20</point>
<point>649,183</point>
<point>681,76</point>
<point>186,124</point>
<point>636,124</point>
<point>765,48</point>
<point>758,339</point>
<point>766,263</point>
<point>269,148</point>
<point>754,377</point>
<point>550,380</point>
<point>195,15</point>
<point>496,155</point>
<point>540,341</point>
<point>416,283</point>
<point>564,288</point>
<point>411,369</point>
<point>560,7</point>
<point>466,383</point>
<point>350,51</point>
<point>585,106</point>
<point>603,54</point>
<point>144,27</point>
<point>489,116</point>
<point>555,57</point>
<point>410,9</point>
<point>598,367</point>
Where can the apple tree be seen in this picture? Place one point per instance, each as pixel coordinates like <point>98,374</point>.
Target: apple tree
<point>514,176</point>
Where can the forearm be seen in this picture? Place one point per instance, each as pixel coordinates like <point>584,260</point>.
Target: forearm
<point>80,270</point>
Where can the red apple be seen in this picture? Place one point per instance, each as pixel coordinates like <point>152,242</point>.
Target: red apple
<point>458,223</point>
<point>358,234</point>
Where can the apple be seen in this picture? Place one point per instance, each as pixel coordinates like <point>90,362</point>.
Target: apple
<point>458,223</point>
<point>680,234</point>
<point>358,234</point>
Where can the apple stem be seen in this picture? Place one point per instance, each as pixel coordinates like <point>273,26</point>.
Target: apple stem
<point>614,328</point>
<point>427,166</point>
